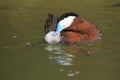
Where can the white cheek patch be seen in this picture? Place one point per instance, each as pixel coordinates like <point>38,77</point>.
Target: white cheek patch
<point>66,22</point>
<point>52,37</point>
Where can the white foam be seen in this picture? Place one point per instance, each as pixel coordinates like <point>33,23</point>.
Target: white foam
<point>52,37</point>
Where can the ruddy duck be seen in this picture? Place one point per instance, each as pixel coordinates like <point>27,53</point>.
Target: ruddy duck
<point>70,28</point>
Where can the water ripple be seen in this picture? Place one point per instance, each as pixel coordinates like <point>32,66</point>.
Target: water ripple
<point>59,55</point>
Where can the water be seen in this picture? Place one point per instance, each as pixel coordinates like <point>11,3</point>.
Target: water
<point>24,55</point>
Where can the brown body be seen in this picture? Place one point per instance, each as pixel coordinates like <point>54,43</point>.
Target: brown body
<point>81,30</point>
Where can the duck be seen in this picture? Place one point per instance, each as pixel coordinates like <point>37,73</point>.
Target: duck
<point>71,29</point>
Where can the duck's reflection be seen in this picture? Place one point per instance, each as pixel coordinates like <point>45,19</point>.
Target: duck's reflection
<point>68,58</point>
<point>59,55</point>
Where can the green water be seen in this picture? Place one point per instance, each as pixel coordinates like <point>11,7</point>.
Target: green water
<point>22,58</point>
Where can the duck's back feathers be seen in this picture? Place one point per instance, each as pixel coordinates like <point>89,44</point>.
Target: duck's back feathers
<point>81,30</point>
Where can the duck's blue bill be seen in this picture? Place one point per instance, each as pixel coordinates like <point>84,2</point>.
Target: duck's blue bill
<point>59,28</point>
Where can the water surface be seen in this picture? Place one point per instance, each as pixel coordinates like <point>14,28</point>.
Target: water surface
<point>24,55</point>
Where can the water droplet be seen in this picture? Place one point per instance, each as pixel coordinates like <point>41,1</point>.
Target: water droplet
<point>71,74</point>
<point>61,69</point>
<point>28,43</point>
<point>77,72</point>
<point>14,36</point>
